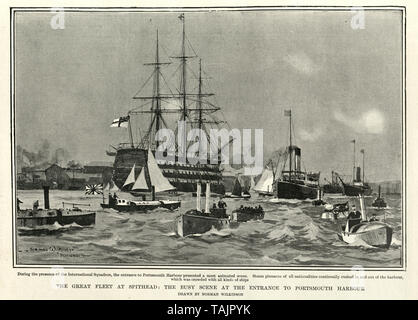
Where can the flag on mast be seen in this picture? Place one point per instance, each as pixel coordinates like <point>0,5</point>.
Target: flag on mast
<point>353,141</point>
<point>362,151</point>
<point>121,122</point>
<point>288,113</point>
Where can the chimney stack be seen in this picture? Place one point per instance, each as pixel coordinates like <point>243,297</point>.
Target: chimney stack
<point>46,197</point>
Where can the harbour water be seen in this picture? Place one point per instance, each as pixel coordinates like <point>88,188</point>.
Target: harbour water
<point>291,234</point>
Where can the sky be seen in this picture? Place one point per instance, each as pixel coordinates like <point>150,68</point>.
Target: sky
<point>340,83</point>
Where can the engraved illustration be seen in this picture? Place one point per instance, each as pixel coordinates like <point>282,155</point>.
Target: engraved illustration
<point>234,137</point>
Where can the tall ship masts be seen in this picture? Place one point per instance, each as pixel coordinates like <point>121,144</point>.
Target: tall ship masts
<point>193,108</point>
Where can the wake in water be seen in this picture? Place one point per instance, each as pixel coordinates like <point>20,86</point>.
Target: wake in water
<point>48,229</point>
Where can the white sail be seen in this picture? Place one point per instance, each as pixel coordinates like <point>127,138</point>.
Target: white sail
<point>265,184</point>
<point>131,177</point>
<point>141,183</point>
<point>160,182</point>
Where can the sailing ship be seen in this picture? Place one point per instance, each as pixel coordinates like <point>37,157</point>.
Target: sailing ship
<point>295,183</point>
<point>373,233</point>
<point>333,186</point>
<point>149,180</point>
<point>238,192</point>
<point>196,110</point>
<point>358,185</point>
<point>196,221</point>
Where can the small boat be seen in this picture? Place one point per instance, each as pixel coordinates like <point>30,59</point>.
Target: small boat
<point>379,202</point>
<point>151,180</point>
<point>244,214</point>
<point>35,217</point>
<point>294,183</point>
<point>196,221</point>
<point>318,201</point>
<point>238,192</point>
<point>372,232</point>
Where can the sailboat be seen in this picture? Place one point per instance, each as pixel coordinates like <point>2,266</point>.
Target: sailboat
<point>166,104</point>
<point>358,186</point>
<point>264,186</point>
<point>151,180</point>
<point>197,221</point>
<point>238,192</point>
<point>294,183</point>
<point>374,233</point>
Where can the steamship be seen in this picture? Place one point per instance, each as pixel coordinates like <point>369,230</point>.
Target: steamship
<point>358,186</point>
<point>196,110</point>
<point>295,183</point>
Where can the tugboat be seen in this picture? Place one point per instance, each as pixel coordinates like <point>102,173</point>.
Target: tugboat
<point>294,183</point>
<point>197,221</point>
<point>151,180</point>
<point>379,202</point>
<point>35,217</point>
<point>238,192</point>
<point>372,232</point>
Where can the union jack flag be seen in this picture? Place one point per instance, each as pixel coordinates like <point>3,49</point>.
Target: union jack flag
<point>92,189</point>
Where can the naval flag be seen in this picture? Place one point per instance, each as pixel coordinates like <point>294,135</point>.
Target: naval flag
<point>287,113</point>
<point>120,122</point>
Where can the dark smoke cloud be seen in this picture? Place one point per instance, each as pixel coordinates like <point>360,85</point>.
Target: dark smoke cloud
<point>44,156</point>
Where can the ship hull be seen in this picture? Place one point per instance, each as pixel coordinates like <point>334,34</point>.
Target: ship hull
<point>122,205</point>
<point>289,190</point>
<point>331,188</point>
<point>376,234</point>
<point>187,224</point>
<point>184,177</point>
<point>354,191</point>
<point>31,218</point>
<point>244,215</point>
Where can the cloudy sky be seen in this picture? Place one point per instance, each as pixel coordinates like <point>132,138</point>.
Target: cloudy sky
<point>341,83</point>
